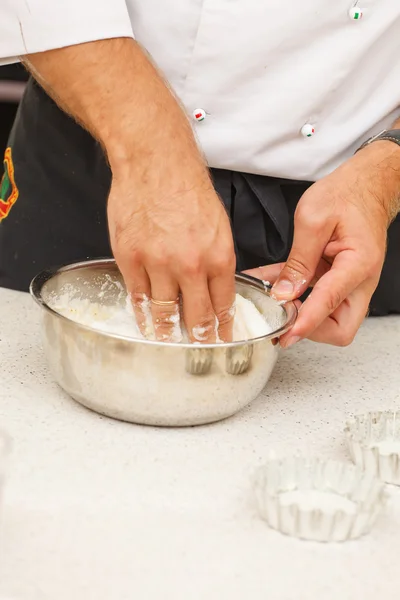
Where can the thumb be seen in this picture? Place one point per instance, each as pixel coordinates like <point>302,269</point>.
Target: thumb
<point>309,243</point>
<point>267,273</point>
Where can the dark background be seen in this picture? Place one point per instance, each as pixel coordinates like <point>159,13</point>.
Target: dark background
<point>8,109</point>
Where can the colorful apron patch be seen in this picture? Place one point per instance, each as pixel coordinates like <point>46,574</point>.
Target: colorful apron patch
<point>8,189</point>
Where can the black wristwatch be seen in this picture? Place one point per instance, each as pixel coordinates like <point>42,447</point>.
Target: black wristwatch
<point>392,135</point>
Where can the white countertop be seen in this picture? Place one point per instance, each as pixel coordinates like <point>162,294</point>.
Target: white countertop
<point>102,510</point>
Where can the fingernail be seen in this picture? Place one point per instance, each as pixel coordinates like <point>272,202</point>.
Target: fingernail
<point>292,341</point>
<point>283,287</point>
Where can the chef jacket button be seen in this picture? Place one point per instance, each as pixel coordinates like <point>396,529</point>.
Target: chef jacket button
<point>355,13</point>
<point>307,130</point>
<point>199,114</point>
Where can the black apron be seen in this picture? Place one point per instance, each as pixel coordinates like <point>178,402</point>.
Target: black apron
<point>54,192</point>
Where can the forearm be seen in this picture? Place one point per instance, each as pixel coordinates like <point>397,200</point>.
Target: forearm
<point>380,164</point>
<point>115,92</point>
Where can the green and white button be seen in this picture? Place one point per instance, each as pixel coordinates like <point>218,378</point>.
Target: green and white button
<point>199,114</point>
<point>307,130</point>
<point>355,13</point>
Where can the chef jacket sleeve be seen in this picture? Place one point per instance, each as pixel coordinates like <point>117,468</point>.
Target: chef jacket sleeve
<point>28,26</point>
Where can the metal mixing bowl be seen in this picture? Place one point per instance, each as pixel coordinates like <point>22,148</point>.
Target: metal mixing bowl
<point>148,382</point>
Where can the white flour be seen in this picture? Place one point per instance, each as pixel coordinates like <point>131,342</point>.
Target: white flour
<point>387,447</point>
<point>119,319</point>
<point>308,500</point>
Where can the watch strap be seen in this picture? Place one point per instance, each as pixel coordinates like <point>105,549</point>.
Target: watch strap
<point>391,135</point>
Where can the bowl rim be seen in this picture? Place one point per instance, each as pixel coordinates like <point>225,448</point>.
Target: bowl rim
<point>46,275</point>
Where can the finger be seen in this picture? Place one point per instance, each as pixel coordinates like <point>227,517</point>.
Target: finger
<point>222,294</point>
<point>267,273</point>
<point>270,273</point>
<point>298,305</point>
<point>330,291</point>
<point>165,309</point>
<point>340,328</point>
<point>310,239</point>
<point>198,311</point>
<point>323,267</point>
<point>138,287</point>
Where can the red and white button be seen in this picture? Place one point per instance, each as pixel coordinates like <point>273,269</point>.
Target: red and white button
<point>199,114</point>
<point>355,13</point>
<point>307,130</point>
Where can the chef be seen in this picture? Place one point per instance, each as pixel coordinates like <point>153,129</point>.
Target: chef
<point>141,116</point>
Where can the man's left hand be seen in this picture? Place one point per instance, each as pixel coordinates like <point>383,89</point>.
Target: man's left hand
<point>339,245</point>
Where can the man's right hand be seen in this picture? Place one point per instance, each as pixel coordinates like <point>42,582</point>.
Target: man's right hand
<point>169,243</point>
<point>169,232</point>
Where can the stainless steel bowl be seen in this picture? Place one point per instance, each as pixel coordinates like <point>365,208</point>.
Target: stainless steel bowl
<point>148,382</point>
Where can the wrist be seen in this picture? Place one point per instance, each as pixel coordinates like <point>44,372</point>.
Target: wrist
<point>379,167</point>
<point>160,174</point>
<point>152,140</point>
<point>162,146</point>
<point>155,172</point>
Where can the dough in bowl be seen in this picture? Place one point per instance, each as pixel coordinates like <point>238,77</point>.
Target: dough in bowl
<point>119,319</point>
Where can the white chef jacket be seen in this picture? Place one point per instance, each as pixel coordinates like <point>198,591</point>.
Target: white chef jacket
<point>263,73</point>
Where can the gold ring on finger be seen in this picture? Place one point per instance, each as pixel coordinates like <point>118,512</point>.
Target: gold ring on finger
<point>164,302</point>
